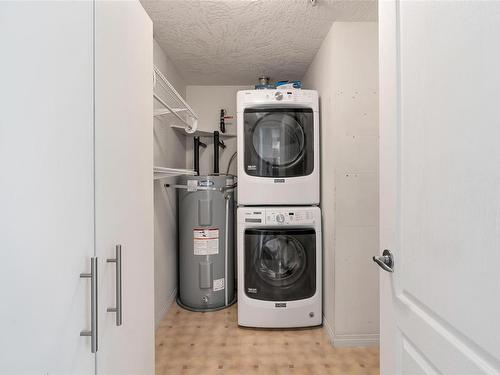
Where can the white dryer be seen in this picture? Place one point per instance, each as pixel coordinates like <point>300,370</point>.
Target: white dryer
<point>279,267</point>
<point>278,147</point>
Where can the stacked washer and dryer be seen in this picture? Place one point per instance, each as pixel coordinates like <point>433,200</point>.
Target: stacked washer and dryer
<point>278,218</point>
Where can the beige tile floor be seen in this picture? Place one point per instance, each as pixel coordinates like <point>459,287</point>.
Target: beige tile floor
<point>212,343</point>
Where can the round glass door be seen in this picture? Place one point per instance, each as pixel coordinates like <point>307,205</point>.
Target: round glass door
<point>279,139</point>
<point>281,260</point>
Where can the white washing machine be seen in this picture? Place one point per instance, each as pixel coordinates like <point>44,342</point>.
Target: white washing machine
<point>278,147</point>
<point>279,267</point>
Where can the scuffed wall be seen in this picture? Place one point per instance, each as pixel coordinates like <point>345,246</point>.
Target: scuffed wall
<point>345,73</point>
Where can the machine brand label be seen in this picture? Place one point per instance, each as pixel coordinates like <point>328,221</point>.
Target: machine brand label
<point>192,185</point>
<point>279,180</point>
<point>282,304</point>
<point>206,183</point>
<point>252,167</point>
<point>252,290</point>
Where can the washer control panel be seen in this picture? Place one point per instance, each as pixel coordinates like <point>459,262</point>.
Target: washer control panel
<point>289,217</point>
<point>279,216</point>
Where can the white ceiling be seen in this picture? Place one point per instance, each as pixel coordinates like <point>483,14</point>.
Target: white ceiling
<point>233,42</point>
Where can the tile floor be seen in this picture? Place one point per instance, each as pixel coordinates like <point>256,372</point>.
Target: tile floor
<point>212,343</point>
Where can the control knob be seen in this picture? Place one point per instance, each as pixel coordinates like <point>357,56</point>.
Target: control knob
<point>278,95</point>
<point>280,218</point>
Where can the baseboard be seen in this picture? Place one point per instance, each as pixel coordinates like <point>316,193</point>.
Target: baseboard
<point>328,329</point>
<point>356,340</point>
<point>165,306</point>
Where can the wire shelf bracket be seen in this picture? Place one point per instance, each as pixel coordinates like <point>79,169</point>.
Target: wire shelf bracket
<point>171,103</point>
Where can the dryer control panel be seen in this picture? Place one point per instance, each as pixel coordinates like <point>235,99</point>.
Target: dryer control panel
<point>279,98</point>
<point>289,217</point>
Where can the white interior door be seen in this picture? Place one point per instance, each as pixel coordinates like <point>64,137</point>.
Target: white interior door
<point>46,187</point>
<point>124,184</point>
<point>440,187</point>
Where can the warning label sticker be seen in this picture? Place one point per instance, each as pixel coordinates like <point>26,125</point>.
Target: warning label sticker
<point>206,241</point>
<point>218,284</point>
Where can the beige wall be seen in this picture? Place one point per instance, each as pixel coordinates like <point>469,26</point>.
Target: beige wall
<point>345,73</point>
<point>169,151</point>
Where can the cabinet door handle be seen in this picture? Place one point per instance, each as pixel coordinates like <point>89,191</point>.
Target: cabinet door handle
<point>93,304</point>
<point>118,262</point>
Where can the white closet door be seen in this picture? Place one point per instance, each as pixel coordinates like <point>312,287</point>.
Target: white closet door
<point>440,185</point>
<point>46,187</point>
<point>124,184</point>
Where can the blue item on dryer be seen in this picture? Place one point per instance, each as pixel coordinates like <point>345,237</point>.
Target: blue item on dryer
<point>296,84</point>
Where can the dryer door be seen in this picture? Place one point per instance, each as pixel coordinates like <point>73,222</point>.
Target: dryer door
<point>280,264</point>
<point>279,142</point>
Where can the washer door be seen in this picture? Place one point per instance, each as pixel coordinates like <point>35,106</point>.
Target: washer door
<point>280,264</point>
<point>280,260</point>
<point>279,142</point>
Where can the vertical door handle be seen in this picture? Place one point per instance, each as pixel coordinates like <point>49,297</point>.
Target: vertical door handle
<point>118,284</point>
<point>93,304</point>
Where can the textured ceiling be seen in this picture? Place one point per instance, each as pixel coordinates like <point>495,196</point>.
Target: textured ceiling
<point>233,42</point>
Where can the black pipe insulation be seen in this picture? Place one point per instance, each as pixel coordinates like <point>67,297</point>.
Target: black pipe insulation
<point>217,143</point>
<point>196,150</point>
<point>216,152</point>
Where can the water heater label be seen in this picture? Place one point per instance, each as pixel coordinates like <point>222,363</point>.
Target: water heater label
<point>206,241</point>
<point>218,284</point>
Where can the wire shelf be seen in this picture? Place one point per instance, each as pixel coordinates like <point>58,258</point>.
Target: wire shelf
<point>162,172</point>
<point>169,102</point>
